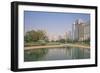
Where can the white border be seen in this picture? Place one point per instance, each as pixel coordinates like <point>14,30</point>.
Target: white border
<point>22,64</point>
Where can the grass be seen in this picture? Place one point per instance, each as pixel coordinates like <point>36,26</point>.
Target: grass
<point>53,43</point>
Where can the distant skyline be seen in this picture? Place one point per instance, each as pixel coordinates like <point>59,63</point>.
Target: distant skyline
<point>53,23</point>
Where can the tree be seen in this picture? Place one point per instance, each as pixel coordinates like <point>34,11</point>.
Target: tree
<point>62,40</point>
<point>34,36</point>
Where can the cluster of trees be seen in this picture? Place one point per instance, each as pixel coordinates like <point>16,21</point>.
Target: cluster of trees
<point>87,41</point>
<point>40,37</point>
<point>35,36</point>
<point>61,40</point>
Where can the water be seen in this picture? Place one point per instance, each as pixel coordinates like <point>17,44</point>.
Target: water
<point>46,54</point>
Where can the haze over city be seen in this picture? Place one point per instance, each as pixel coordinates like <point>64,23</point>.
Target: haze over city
<point>55,24</point>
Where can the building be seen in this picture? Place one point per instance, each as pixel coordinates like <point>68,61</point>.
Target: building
<point>87,32</point>
<point>69,35</point>
<point>80,30</point>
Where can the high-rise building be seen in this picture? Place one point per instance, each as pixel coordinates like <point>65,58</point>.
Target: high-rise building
<point>69,35</point>
<point>80,30</point>
<point>87,32</point>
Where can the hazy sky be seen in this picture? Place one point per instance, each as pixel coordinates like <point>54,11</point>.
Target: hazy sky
<point>52,22</point>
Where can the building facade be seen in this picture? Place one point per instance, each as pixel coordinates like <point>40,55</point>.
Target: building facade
<point>80,30</point>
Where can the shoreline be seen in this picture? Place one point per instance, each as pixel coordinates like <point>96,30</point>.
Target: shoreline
<point>56,46</point>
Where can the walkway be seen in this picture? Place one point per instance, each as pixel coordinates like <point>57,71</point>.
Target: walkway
<point>55,46</point>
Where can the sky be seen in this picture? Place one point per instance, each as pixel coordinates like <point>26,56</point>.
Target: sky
<point>54,23</point>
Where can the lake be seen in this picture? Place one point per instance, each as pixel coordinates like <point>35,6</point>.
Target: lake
<point>46,54</point>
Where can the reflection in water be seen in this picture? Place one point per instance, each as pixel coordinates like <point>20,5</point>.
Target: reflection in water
<point>36,54</point>
<point>67,53</point>
<point>76,53</point>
